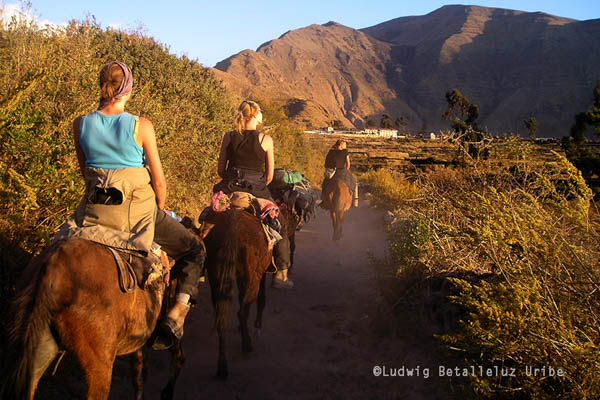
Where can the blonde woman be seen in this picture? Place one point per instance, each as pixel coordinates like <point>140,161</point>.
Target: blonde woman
<point>246,163</point>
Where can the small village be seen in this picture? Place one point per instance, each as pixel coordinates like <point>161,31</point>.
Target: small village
<point>384,133</point>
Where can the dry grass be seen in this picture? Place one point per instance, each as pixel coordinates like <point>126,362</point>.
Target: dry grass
<point>522,244</point>
<point>388,187</point>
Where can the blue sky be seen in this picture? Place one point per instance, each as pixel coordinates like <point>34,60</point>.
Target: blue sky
<point>210,31</point>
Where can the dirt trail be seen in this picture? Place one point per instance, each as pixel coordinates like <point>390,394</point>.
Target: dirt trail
<point>320,340</point>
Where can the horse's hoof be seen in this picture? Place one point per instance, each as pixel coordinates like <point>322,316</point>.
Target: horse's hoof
<point>166,394</point>
<point>258,331</point>
<point>222,375</point>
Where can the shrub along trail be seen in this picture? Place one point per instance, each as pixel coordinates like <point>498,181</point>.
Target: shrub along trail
<point>320,340</point>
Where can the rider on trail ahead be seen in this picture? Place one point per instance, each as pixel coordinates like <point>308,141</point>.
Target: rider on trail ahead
<point>337,166</point>
<point>115,147</point>
<point>246,164</point>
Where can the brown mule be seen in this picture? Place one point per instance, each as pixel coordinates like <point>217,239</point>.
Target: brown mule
<point>337,198</point>
<point>236,248</point>
<point>69,298</point>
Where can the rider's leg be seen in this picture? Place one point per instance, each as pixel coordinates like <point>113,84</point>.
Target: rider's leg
<point>186,249</point>
<point>281,255</point>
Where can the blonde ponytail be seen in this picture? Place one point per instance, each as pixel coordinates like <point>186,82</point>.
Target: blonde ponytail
<point>246,111</point>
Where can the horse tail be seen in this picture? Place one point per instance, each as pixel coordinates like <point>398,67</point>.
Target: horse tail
<point>31,309</point>
<point>227,260</point>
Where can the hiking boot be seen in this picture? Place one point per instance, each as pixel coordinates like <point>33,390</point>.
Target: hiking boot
<point>170,329</point>
<point>281,284</point>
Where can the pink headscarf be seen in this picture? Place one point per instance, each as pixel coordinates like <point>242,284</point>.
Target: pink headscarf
<point>126,83</point>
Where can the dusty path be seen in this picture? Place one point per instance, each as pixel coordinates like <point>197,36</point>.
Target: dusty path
<point>320,340</point>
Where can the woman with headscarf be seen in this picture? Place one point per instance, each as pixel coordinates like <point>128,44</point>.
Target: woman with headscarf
<point>116,149</point>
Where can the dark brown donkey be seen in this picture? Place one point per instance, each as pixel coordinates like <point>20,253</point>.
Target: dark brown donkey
<point>69,298</point>
<point>236,248</point>
<point>337,198</point>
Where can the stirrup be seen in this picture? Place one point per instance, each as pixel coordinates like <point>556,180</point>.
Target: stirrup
<point>272,268</point>
<point>168,333</point>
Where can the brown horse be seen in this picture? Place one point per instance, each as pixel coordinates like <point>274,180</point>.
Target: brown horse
<point>68,298</point>
<point>236,248</point>
<point>337,198</point>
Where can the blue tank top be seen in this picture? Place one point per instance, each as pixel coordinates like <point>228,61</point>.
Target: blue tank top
<point>107,141</point>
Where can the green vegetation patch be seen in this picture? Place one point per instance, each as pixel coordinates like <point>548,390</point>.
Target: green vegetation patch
<point>518,244</point>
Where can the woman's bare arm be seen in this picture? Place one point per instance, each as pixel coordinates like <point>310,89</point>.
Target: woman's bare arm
<point>159,182</point>
<point>267,145</point>
<point>78,150</point>
<point>222,164</point>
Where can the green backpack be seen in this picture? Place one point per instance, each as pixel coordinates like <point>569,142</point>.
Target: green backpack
<point>285,178</point>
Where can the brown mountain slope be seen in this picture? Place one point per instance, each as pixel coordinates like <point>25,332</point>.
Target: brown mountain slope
<point>511,63</point>
<point>330,71</point>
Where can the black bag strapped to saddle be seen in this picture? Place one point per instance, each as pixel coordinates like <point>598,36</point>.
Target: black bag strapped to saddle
<point>299,196</point>
<point>304,199</point>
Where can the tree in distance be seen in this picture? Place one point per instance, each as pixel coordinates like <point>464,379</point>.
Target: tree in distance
<point>400,123</point>
<point>582,156</point>
<point>590,117</point>
<point>532,125</point>
<point>386,122</point>
<point>462,114</point>
<point>337,124</point>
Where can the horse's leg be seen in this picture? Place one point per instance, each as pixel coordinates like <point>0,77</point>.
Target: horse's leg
<point>96,354</point>
<point>243,316</point>
<point>222,371</point>
<point>221,317</point>
<point>334,223</point>
<point>98,373</point>
<point>176,365</point>
<point>137,373</point>
<point>292,249</point>
<point>339,222</point>
<point>260,302</point>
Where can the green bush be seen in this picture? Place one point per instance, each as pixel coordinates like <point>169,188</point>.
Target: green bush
<point>522,244</point>
<point>292,148</point>
<point>47,79</point>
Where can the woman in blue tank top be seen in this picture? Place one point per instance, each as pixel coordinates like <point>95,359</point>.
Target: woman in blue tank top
<point>111,138</point>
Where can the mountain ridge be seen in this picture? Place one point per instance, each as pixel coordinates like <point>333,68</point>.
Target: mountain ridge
<point>513,64</point>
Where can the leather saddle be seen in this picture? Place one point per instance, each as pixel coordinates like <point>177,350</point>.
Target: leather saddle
<point>148,273</point>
